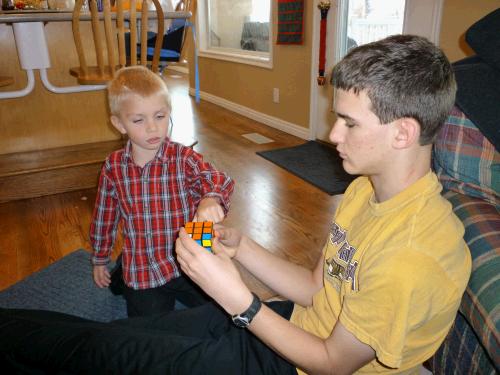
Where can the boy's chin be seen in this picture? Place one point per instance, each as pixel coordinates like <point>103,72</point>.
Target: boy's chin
<point>348,168</point>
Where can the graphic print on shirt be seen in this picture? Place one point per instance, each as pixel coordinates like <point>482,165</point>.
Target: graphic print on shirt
<point>340,267</point>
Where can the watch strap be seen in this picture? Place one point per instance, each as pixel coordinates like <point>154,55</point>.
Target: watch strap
<point>245,318</point>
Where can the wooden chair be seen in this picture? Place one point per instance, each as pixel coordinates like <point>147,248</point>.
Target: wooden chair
<point>173,41</point>
<point>112,44</point>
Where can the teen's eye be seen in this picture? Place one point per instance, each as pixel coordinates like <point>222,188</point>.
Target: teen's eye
<point>137,121</point>
<point>350,124</point>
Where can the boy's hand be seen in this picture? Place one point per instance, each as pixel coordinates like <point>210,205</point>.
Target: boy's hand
<point>209,209</point>
<point>102,277</point>
<point>226,240</point>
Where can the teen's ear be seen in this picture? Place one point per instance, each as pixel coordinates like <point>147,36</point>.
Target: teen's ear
<point>407,132</point>
<point>118,124</point>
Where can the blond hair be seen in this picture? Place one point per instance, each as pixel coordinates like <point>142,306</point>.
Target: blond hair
<point>135,80</point>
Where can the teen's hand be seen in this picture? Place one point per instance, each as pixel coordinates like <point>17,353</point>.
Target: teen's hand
<point>214,273</point>
<point>226,240</point>
<point>209,209</point>
<point>102,277</point>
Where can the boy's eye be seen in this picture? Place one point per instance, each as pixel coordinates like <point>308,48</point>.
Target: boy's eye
<point>350,124</point>
<point>137,121</point>
<point>160,117</point>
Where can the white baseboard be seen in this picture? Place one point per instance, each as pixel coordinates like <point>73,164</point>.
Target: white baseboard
<point>271,121</point>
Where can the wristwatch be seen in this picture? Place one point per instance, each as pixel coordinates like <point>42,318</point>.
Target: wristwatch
<point>245,318</point>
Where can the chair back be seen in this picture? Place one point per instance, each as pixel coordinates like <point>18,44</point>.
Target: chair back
<point>183,6</point>
<point>110,52</point>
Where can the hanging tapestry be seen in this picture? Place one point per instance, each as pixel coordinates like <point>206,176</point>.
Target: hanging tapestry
<point>290,21</point>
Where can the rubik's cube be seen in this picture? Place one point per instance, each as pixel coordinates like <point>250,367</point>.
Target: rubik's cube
<point>202,232</point>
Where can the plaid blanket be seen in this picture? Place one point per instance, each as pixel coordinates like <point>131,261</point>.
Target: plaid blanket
<point>468,166</point>
<point>472,346</point>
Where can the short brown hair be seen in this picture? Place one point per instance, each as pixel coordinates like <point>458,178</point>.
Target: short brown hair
<point>136,80</point>
<point>403,76</point>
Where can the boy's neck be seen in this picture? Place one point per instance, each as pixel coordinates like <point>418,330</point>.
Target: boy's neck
<point>142,157</point>
<point>404,172</point>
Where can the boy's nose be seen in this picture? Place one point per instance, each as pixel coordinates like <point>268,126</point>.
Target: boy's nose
<point>151,126</point>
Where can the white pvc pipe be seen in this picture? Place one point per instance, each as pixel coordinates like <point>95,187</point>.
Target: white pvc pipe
<point>20,93</point>
<point>67,89</point>
<point>34,54</point>
<point>31,45</point>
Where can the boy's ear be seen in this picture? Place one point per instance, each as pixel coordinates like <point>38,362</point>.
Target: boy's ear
<point>117,124</point>
<point>407,132</point>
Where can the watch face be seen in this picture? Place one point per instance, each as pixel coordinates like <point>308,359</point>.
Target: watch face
<point>241,321</point>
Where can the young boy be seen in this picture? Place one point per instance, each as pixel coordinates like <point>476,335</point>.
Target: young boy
<point>381,298</point>
<point>153,186</point>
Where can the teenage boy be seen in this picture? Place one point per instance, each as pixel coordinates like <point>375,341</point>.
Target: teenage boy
<point>384,292</point>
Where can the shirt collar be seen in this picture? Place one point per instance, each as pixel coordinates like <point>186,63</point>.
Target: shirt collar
<point>161,154</point>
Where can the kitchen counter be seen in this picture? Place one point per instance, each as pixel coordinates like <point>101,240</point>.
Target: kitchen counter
<point>12,16</point>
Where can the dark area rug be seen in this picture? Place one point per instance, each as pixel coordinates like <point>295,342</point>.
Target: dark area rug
<point>66,286</point>
<point>314,162</point>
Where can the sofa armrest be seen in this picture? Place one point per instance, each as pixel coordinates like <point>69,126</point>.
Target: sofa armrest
<point>481,301</point>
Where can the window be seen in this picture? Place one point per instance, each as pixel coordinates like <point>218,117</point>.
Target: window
<point>236,30</point>
<point>365,21</point>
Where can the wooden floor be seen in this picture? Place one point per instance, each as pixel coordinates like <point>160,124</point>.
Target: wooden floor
<point>282,212</point>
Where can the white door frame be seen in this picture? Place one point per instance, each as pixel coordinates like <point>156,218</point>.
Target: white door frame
<point>422,17</point>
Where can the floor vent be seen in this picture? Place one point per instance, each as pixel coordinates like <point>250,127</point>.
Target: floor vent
<point>257,138</point>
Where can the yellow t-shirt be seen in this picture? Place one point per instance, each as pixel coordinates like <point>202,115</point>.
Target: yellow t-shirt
<point>394,274</point>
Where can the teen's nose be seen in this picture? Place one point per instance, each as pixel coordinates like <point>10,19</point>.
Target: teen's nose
<point>336,134</point>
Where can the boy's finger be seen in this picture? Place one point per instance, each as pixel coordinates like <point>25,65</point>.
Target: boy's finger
<point>182,232</point>
<point>216,245</point>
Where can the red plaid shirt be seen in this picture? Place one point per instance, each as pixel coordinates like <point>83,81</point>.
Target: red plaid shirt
<point>153,203</point>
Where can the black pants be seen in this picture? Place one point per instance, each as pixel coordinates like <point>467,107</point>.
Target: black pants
<point>162,299</point>
<point>201,340</point>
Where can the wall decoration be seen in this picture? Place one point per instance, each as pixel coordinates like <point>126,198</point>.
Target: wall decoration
<point>324,7</point>
<point>290,21</point>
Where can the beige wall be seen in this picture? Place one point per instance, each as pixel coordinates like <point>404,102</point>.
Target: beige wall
<point>252,87</point>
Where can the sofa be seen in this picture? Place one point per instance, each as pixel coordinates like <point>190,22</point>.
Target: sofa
<point>468,166</point>
<point>467,161</point>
